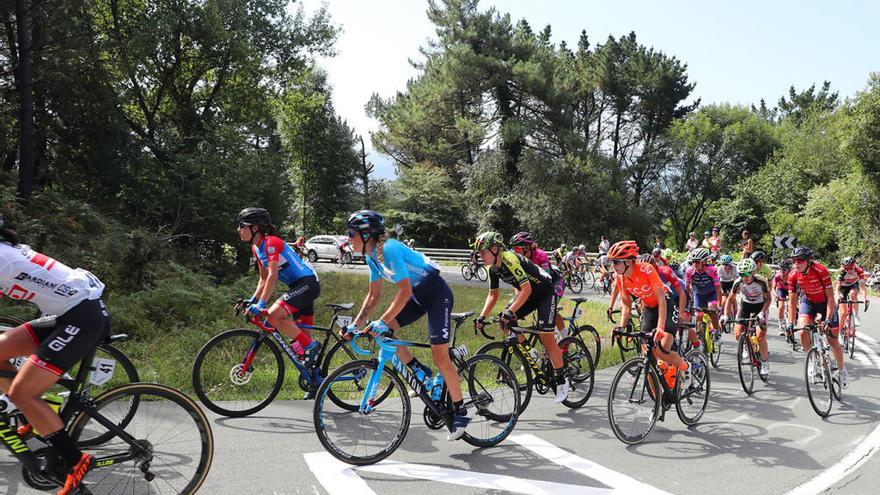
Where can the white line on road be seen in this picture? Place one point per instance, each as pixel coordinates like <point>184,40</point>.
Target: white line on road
<point>850,462</point>
<point>863,358</point>
<point>336,476</point>
<point>620,482</point>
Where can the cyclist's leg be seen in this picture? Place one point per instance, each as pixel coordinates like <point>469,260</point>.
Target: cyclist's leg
<point>440,302</point>
<point>806,314</point>
<point>19,341</point>
<point>297,301</point>
<point>546,307</point>
<point>833,328</point>
<point>854,296</point>
<point>409,314</point>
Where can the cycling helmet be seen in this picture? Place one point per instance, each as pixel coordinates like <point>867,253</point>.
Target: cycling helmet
<point>657,252</point>
<point>486,240</point>
<point>801,252</point>
<point>582,248</point>
<point>623,250</point>
<point>785,264</point>
<point>675,266</point>
<point>714,256</point>
<point>522,239</point>
<point>700,254</point>
<point>849,260</point>
<point>759,256</point>
<point>746,266</point>
<point>367,223</point>
<point>646,258</point>
<point>726,259</point>
<point>563,246</point>
<point>254,216</point>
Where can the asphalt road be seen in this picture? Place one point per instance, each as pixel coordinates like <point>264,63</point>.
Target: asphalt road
<point>769,443</point>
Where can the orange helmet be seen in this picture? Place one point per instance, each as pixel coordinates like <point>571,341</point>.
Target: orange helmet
<point>623,250</point>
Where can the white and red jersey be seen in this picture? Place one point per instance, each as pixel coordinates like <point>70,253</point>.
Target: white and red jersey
<point>812,284</point>
<point>55,288</point>
<point>851,277</point>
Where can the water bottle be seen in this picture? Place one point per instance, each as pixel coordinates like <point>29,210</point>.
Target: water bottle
<point>421,376</point>
<point>754,339</point>
<point>6,405</point>
<point>437,387</point>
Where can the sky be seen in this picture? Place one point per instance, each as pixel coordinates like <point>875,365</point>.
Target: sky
<point>737,52</point>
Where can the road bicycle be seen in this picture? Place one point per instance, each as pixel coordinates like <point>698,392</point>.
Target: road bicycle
<point>533,369</point>
<point>587,334</point>
<point>822,386</point>
<point>471,269</point>
<point>573,281</point>
<point>640,395</point>
<point>145,437</point>
<point>378,425</point>
<point>748,354</point>
<point>240,371</point>
<point>709,336</point>
<point>848,326</point>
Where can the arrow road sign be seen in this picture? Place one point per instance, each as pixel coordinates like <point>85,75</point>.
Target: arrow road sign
<point>784,242</point>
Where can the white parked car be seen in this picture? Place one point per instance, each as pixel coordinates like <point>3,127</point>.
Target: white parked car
<point>326,247</point>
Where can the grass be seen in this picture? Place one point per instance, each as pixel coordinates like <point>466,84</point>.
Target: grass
<point>170,323</point>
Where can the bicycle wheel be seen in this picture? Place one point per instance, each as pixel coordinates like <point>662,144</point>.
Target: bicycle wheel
<point>176,436</point>
<point>351,436</point>
<point>579,370</point>
<point>517,364</point>
<point>633,404</point>
<point>490,387</point>
<point>222,384</point>
<point>466,272</point>
<point>127,375</point>
<point>575,283</point>
<point>715,353</point>
<point>337,356</point>
<point>482,273</point>
<point>818,385</point>
<point>589,336</point>
<point>744,363</point>
<point>690,404</point>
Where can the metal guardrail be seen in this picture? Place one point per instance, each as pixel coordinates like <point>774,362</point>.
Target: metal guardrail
<point>462,255</point>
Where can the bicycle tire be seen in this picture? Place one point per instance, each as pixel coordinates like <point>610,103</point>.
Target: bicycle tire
<point>130,376</point>
<point>818,388</point>
<point>224,388</point>
<point>744,364</point>
<point>575,283</point>
<point>589,336</point>
<point>852,345</point>
<point>495,385</point>
<point>699,375</point>
<point>325,415</point>
<point>338,355</point>
<point>482,274</point>
<point>715,354</point>
<point>643,378</point>
<point>579,370</point>
<point>517,364</point>
<point>466,272</point>
<point>158,399</point>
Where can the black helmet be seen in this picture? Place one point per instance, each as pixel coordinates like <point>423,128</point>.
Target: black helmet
<point>255,216</point>
<point>801,252</point>
<point>646,258</point>
<point>367,223</point>
<point>759,256</point>
<point>522,239</point>
<point>785,264</point>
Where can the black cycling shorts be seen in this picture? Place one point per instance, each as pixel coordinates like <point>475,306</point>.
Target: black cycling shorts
<point>651,315</point>
<point>748,310</point>
<point>726,286</point>
<point>434,298</point>
<point>545,304</point>
<point>299,300</point>
<point>62,341</point>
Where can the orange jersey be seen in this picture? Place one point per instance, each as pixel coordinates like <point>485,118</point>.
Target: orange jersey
<point>642,284</point>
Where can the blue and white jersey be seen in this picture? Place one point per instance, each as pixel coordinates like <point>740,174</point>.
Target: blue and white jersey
<point>290,266</point>
<point>401,263</point>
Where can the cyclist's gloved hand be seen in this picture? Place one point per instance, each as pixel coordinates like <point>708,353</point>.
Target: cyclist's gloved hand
<point>379,327</point>
<point>508,316</point>
<point>257,308</point>
<point>479,323</point>
<point>723,319</point>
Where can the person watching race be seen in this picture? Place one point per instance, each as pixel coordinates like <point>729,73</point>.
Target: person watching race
<point>692,242</point>
<point>276,262</point>
<point>755,295</point>
<point>811,280</point>
<point>715,241</point>
<point>420,291</point>
<point>849,281</point>
<point>74,322</point>
<point>659,259</point>
<point>533,292</point>
<point>604,246</point>
<point>703,284</point>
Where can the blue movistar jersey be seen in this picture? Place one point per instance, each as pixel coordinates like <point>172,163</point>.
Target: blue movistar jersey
<point>290,266</point>
<point>401,263</point>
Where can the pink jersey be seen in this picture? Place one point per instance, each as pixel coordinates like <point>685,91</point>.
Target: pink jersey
<point>702,282</point>
<point>540,258</point>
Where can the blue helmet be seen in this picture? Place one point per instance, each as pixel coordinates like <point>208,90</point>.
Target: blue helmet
<point>367,223</point>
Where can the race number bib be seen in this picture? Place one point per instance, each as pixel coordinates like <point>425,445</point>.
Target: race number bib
<point>102,371</point>
<point>343,321</point>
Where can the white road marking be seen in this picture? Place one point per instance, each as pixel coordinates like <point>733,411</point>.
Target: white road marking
<point>857,457</point>
<point>619,481</point>
<point>814,432</point>
<point>864,336</point>
<point>337,477</point>
<point>863,358</point>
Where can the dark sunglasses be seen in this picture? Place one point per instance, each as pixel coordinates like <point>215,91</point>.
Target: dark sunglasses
<point>242,225</point>
<point>618,261</point>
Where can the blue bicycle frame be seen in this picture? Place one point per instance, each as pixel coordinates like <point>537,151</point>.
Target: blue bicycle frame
<point>312,376</point>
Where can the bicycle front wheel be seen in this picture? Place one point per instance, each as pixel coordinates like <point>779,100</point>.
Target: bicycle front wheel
<point>238,373</point>
<point>490,388</point>
<point>818,378</point>
<point>691,403</point>
<point>355,437</point>
<point>634,401</point>
<point>466,272</point>
<point>579,370</point>
<point>715,354</point>
<point>744,364</point>
<point>589,336</point>
<point>482,273</point>
<point>517,364</point>
<point>174,436</point>
<point>575,283</point>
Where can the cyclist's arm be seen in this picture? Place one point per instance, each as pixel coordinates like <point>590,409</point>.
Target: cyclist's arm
<point>614,293</point>
<point>489,305</point>
<point>766,301</point>
<point>268,283</point>
<point>830,301</point>
<point>522,295</point>
<point>625,305</point>
<point>404,293</point>
<point>660,296</point>
<point>263,274</point>
<point>682,298</point>
<point>369,302</point>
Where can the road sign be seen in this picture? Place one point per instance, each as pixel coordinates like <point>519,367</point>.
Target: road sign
<point>784,242</point>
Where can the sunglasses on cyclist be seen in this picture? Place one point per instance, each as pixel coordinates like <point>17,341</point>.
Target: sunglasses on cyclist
<point>618,261</point>
<point>352,233</point>
<point>745,274</point>
<point>242,225</point>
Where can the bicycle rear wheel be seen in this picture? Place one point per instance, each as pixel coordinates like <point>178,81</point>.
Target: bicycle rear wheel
<point>178,445</point>
<point>715,354</point>
<point>482,273</point>
<point>466,272</point>
<point>575,283</point>
<point>517,364</point>
<point>579,370</point>
<point>351,436</point>
<point>744,363</point>
<point>690,404</point>
<point>589,336</point>
<point>634,401</point>
<point>221,381</point>
<point>490,387</point>
<point>818,385</point>
<point>127,375</point>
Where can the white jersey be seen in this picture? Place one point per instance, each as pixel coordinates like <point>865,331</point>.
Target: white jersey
<point>727,273</point>
<point>26,275</point>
